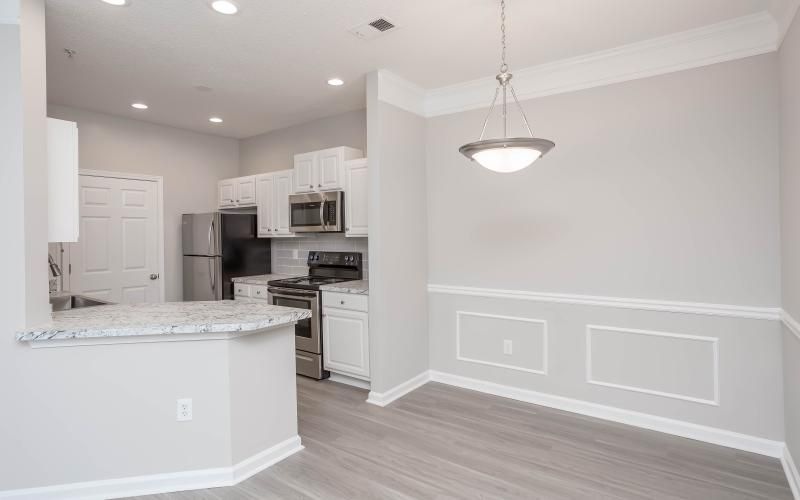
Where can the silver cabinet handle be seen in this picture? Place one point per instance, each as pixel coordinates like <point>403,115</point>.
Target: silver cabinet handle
<point>341,302</point>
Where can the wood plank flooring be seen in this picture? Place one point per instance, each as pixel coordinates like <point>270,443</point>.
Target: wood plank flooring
<point>441,442</point>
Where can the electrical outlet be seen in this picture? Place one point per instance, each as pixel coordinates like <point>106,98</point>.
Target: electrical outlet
<point>507,348</point>
<point>184,411</point>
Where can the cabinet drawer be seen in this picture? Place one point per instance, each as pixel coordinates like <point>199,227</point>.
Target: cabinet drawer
<point>241,290</point>
<point>350,301</point>
<point>258,292</point>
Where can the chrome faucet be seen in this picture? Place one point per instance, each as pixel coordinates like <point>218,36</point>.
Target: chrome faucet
<point>55,270</point>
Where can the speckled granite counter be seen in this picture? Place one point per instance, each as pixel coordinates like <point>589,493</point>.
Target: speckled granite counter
<point>163,319</point>
<point>261,279</point>
<point>360,287</point>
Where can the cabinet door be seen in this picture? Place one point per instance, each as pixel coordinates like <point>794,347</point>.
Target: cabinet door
<point>226,190</point>
<point>331,162</point>
<point>62,184</point>
<point>280,214</point>
<point>356,189</point>
<point>264,214</point>
<point>305,172</point>
<point>346,342</point>
<point>246,191</point>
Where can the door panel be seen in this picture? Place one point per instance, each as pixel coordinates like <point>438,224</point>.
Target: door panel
<point>356,199</point>
<point>330,163</point>
<point>246,191</point>
<point>305,166</point>
<point>202,278</point>
<point>117,251</point>
<point>346,339</point>
<point>264,186</point>
<point>280,214</point>
<point>227,193</point>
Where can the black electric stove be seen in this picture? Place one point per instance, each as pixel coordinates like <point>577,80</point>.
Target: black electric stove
<point>325,268</point>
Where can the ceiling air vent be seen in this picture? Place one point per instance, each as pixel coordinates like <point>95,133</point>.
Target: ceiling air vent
<point>373,29</point>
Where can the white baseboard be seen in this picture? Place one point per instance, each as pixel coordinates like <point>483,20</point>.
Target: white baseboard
<point>792,474</point>
<point>161,483</point>
<point>348,380</point>
<point>384,398</point>
<point>703,433</point>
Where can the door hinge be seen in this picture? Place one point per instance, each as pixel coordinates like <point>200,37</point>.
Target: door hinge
<point>69,271</point>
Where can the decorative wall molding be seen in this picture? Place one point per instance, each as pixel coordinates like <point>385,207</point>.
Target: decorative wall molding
<point>715,362</point>
<point>398,391</point>
<point>747,312</point>
<point>792,475</point>
<point>542,322</point>
<point>161,483</point>
<point>791,323</point>
<point>726,41</point>
<point>703,433</point>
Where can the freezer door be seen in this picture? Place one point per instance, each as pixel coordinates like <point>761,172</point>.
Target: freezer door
<point>201,234</point>
<point>202,278</point>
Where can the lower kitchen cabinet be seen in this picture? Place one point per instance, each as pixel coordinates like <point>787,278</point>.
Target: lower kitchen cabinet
<point>345,336</point>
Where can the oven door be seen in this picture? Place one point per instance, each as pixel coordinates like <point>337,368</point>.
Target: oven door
<point>307,331</point>
<point>316,212</point>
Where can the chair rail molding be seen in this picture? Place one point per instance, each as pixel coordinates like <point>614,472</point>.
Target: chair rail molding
<point>735,311</point>
<point>745,36</point>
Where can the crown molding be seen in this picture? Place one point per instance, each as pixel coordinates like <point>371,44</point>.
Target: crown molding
<point>783,11</point>
<point>729,40</point>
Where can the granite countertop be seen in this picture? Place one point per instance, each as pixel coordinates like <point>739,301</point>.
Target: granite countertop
<point>360,287</point>
<point>168,318</point>
<point>261,279</point>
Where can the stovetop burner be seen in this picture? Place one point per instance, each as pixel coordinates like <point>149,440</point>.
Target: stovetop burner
<point>313,280</point>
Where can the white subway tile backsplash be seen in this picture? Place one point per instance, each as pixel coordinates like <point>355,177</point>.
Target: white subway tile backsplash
<point>289,255</point>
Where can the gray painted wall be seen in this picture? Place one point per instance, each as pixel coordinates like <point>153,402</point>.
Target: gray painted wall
<point>397,243</point>
<point>275,150</point>
<point>790,227</point>
<point>191,164</point>
<point>654,191</point>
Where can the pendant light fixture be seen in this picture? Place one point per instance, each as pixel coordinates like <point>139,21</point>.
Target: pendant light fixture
<point>506,154</point>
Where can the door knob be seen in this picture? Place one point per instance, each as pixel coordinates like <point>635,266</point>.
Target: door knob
<point>154,276</point>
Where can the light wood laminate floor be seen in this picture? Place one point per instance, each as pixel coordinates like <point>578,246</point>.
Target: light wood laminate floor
<point>445,443</point>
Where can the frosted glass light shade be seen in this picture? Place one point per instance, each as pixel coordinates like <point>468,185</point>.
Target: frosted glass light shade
<point>508,154</point>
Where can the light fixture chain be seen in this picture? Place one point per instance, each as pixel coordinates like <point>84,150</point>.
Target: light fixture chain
<point>503,66</point>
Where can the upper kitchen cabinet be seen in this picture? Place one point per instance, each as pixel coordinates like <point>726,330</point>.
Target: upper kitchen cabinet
<point>273,203</point>
<point>237,192</point>
<point>322,170</point>
<point>62,181</point>
<point>356,189</point>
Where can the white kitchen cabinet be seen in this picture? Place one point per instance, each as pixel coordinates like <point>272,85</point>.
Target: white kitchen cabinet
<point>226,190</point>
<point>322,170</point>
<point>246,190</point>
<point>356,189</point>
<point>273,190</point>
<point>237,192</point>
<point>280,214</point>
<point>265,187</point>
<point>345,327</point>
<point>62,181</point>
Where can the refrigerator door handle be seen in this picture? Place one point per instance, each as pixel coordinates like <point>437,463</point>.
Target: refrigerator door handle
<point>210,233</point>
<point>212,271</point>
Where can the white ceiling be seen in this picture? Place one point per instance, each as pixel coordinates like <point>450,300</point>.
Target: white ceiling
<point>268,65</point>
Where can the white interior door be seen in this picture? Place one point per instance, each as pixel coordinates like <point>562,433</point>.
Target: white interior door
<point>116,257</point>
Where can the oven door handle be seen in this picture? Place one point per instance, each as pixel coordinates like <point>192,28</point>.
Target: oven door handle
<point>291,294</point>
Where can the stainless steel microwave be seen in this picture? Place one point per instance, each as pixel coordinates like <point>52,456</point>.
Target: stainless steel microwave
<point>317,212</point>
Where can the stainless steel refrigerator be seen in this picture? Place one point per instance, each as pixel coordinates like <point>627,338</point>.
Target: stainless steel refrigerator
<point>217,247</point>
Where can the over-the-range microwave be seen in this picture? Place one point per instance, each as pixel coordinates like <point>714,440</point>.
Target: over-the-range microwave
<point>316,212</point>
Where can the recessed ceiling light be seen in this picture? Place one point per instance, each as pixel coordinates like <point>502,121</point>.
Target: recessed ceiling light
<point>118,3</point>
<point>215,119</point>
<point>336,82</point>
<point>139,105</point>
<point>224,7</point>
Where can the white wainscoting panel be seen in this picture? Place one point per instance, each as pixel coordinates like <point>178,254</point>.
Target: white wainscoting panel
<point>480,339</point>
<point>670,365</point>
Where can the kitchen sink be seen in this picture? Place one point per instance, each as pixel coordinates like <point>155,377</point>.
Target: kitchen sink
<point>70,301</point>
